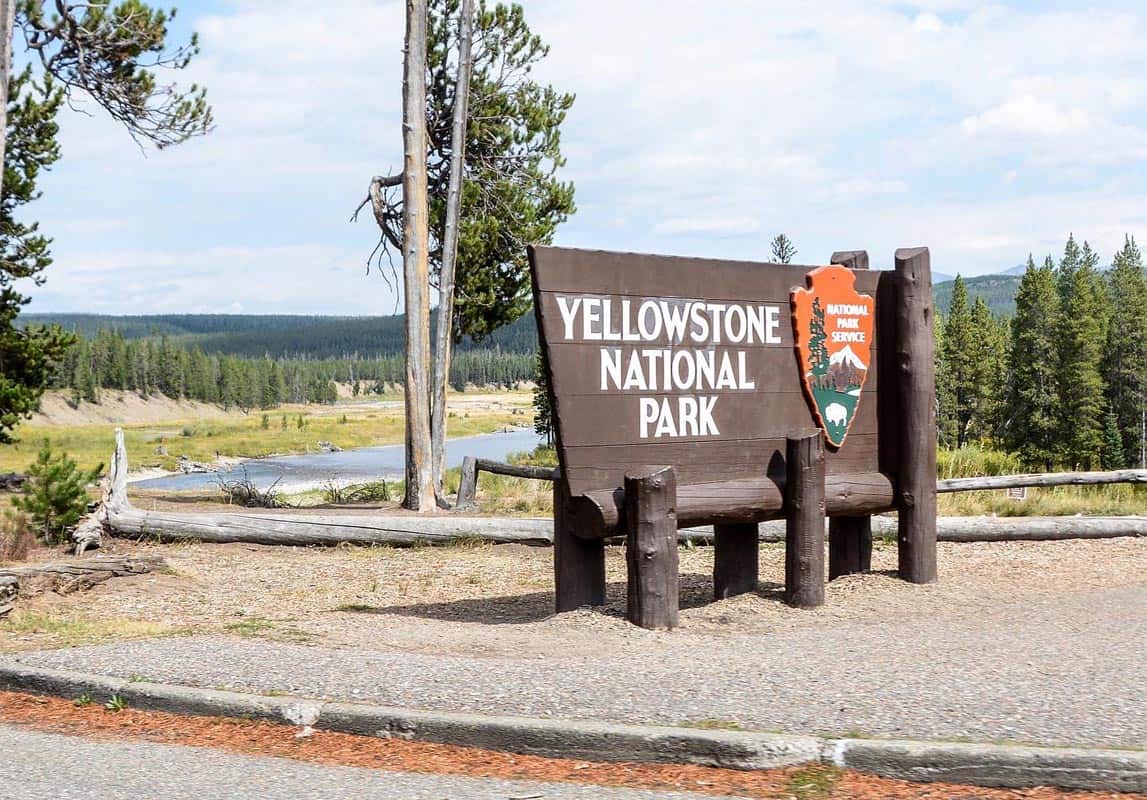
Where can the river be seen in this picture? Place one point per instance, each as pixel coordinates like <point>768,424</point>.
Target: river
<point>295,473</point>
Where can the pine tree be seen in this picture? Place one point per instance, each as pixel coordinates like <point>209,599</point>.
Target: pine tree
<point>818,351</point>
<point>989,347</point>
<point>959,393</point>
<point>1080,346</point>
<point>783,249</point>
<point>1125,357</point>
<point>1031,427</point>
<point>27,355</point>
<point>55,493</point>
<point>1112,456</point>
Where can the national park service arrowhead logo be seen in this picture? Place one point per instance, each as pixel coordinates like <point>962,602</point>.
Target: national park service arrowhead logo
<point>833,326</point>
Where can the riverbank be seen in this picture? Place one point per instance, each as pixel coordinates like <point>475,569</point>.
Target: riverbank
<point>158,431</point>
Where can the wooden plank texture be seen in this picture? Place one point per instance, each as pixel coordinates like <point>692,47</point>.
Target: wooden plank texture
<point>612,418</point>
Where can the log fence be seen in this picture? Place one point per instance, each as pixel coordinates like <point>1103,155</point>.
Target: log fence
<point>472,466</point>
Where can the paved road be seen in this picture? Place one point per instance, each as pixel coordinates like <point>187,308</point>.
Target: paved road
<point>1053,670</point>
<point>43,766</point>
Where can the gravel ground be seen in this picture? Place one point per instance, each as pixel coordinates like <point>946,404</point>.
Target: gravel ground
<point>1024,643</point>
<point>43,766</point>
<point>1037,642</point>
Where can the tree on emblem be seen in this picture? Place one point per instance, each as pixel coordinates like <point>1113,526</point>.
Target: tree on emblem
<point>818,352</point>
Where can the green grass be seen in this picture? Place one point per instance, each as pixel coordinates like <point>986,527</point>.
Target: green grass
<point>967,462</point>
<point>813,782</point>
<point>68,629</point>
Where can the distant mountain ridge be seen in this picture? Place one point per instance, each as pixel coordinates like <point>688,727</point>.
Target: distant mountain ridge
<point>288,335</point>
<point>281,335</point>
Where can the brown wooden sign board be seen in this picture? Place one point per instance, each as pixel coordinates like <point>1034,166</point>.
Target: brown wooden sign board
<point>691,363</point>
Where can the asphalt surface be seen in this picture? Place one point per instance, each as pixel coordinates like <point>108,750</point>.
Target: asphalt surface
<point>1055,671</point>
<point>44,766</point>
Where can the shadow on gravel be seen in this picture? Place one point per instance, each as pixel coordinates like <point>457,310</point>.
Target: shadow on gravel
<point>695,590</point>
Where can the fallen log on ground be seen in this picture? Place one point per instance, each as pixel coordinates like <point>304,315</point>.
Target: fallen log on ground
<point>65,577</point>
<point>9,591</point>
<point>11,481</point>
<point>302,528</point>
<point>977,529</point>
<point>305,528</point>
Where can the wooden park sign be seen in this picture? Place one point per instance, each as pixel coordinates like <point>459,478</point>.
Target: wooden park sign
<point>682,390</point>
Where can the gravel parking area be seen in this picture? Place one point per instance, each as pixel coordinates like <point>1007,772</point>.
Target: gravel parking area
<point>1039,643</point>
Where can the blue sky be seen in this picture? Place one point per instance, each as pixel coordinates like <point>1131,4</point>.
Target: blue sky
<point>983,131</point>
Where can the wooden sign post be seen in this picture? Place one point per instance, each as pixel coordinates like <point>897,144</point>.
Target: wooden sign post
<point>679,386</point>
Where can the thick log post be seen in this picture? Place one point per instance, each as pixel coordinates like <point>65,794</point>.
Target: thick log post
<point>579,564</point>
<point>804,520</point>
<point>849,546</point>
<point>849,538</point>
<point>915,361</point>
<point>736,564</point>
<point>467,485</point>
<point>651,548</point>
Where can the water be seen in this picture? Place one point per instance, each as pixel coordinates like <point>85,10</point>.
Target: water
<point>348,466</point>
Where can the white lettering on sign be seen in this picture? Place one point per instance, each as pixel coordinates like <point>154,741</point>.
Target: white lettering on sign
<point>669,346</point>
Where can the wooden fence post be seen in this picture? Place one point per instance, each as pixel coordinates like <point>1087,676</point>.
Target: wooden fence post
<point>467,485</point>
<point>849,538</point>
<point>804,520</point>
<point>579,564</point>
<point>651,548</point>
<point>915,361</point>
<point>736,564</point>
<point>849,546</point>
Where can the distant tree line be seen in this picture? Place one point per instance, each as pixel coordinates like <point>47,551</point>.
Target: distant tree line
<point>173,369</point>
<point>281,335</point>
<point>1064,381</point>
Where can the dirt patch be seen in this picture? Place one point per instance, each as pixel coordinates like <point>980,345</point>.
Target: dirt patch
<point>91,718</point>
<point>494,600</point>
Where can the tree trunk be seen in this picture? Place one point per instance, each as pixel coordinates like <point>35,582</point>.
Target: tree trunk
<point>415,264</point>
<point>7,22</point>
<point>443,333</point>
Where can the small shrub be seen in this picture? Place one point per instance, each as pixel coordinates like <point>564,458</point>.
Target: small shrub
<point>371,492</point>
<point>188,431</point>
<point>266,423</point>
<point>55,494</point>
<point>116,703</point>
<point>342,420</point>
<point>16,536</point>
<point>243,492</point>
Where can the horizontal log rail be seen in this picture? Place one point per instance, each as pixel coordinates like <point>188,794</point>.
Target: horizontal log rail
<point>471,466</point>
<point>1042,479</point>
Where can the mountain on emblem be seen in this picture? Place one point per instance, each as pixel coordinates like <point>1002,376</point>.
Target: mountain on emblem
<point>833,326</point>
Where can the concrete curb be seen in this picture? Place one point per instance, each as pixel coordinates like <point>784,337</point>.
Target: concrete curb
<point>978,764</point>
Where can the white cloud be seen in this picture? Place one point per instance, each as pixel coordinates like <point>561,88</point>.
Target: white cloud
<point>722,226</point>
<point>873,125</point>
<point>1026,115</point>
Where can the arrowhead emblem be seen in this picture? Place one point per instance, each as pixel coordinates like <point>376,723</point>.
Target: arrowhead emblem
<point>833,331</point>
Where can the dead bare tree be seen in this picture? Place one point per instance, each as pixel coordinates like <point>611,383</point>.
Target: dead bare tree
<point>443,334</point>
<point>7,19</point>
<point>416,263</point>
<point>493,146</point>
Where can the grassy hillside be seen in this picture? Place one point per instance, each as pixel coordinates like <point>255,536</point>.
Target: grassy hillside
<point>998,291</point>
